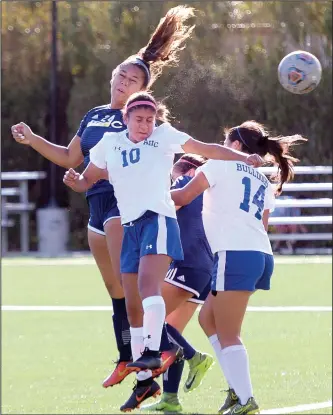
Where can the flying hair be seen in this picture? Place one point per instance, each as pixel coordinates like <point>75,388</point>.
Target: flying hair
<point>164,44</point>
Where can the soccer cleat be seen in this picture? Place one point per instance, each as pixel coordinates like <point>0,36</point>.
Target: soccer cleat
<point>251,407</point>
<point>169,403</point>
<point>230,401</point>
<point>168,357</point>
<point>199,365</point>
<point>147,361</point>
<point>141,391</point>
<point>118,375</point>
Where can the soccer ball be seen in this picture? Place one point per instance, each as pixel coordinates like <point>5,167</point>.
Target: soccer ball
<point>299,72</point>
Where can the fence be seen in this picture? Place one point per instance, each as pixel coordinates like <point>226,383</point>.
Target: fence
<point>24,207</point>
<point>21,208</point>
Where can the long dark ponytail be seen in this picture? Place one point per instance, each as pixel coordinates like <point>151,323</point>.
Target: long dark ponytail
<point>254,138</point>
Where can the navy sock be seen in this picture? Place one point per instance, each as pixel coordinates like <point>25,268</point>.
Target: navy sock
<point>172,377</point>
<point>121,329</point>
<point>177,338</point>
<point>165,343</point>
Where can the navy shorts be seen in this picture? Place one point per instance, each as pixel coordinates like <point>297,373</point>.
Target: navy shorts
<point>103,207</point>
<point>203,295</point>
<point>151,234</point>
<point>242,271</point>
<point>190,279</point>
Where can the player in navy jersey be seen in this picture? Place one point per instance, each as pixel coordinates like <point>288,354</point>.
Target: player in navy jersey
<point>236,206</point>
<point>148,215</point>
<point>136,73</point>
<point>186,285</point>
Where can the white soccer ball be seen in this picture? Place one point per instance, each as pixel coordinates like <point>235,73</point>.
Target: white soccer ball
<point>299,72</point>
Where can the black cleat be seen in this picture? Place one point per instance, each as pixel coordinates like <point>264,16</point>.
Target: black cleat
<point>142,390</point>
<point>148,360</point>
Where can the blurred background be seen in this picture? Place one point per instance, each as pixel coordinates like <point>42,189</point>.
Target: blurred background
<point>57,59</point>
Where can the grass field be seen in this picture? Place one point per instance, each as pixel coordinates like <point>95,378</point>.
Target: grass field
<point>53,362</point>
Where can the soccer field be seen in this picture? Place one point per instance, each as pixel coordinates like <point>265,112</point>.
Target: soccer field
<point>54,358</point>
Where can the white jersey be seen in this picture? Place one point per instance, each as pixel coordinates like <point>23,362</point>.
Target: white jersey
<point>233,206</point>
<point>140,172</point>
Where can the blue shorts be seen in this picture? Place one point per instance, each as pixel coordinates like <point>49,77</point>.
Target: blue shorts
<point>189,279</point>
<point>151,234</point>
<point>103,207</point>
<point>242,271</point>
<point>203,295</point>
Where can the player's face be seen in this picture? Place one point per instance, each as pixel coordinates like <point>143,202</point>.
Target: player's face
<point>140,123</point>
<point>127,80</point>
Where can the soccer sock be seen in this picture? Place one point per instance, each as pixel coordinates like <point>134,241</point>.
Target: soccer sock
<point>172,377</point>
<point>236,362</point>
<point>121,329</point>
<point>178,339</point>
<point>165,343</point>
<point>214,341</point>
<point>153,321</point>
<point>137,349</point>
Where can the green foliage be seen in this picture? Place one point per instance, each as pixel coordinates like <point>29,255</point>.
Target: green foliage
<point>227,73</point>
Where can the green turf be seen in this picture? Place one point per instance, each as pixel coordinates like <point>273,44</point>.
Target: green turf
<point>293,285</point>
<point>54,362</point>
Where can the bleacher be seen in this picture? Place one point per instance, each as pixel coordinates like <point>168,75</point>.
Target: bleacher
<point>17,207</point>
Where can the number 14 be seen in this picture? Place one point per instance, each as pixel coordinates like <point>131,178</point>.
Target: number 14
<point>258,198</point>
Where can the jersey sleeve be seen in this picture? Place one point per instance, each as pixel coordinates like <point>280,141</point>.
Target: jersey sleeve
<point>270,198</point>
<point>83,125</point>
<point>213,170</point>
<point>171,138</point>
<point>97,154</point>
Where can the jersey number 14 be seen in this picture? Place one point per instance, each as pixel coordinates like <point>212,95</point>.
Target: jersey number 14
<point>258,198</point>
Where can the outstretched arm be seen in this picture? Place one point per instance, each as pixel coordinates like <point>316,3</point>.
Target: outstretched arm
<point>192,190</point>
<point>70,156</point>
<point>218,152</point>
<point>82,182</point>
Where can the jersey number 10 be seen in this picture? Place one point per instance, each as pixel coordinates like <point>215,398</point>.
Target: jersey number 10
<point>258,198</point>
<point>133,156</point>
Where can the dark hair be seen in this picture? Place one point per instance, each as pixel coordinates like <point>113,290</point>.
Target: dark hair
<point>254,138</point>
<point>164,44</point>
<point>189,161</point>
<point>162,112</point>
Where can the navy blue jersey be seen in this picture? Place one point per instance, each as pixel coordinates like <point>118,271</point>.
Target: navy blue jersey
<point>95,123</point>
<point>197,252</point>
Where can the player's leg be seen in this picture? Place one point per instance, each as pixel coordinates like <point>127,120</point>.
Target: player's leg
<point>105,220</point>
<point>145,386</point>
<point>159,240</point>
<point>234,280</point>
<point>99,249</point>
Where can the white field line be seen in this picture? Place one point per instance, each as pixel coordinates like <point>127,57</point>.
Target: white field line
<point>298,408</point>
<point>26,262</point>
<point>110,308</point>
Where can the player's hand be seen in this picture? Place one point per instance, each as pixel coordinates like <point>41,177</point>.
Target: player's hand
<point>255,160</point>
<point>22,133</point>
<point>71,177</point>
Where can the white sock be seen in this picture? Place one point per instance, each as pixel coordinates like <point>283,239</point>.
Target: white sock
<point>235,360</point>
<point>153,321</point>
<point>137,348</point>
<point>214,341</point>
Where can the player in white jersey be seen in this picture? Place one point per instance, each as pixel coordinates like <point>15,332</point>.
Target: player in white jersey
<point>138,163</point>
<point>236,205</point>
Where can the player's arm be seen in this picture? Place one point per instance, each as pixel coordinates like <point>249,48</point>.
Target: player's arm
<point>265,217</point>
<point>70,156</point>
<point>82,182</point>
<point>218,152</point>
<point>192,190</point>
